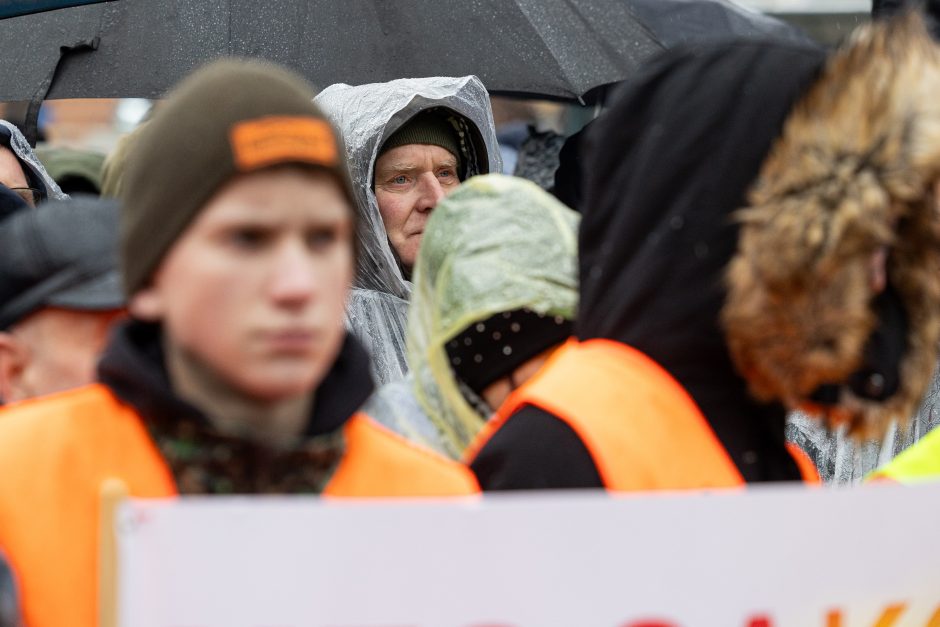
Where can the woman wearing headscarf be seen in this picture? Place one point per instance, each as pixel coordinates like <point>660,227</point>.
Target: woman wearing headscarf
<point>760,233</point>
<point>495,290</point>
<point>450,113</point>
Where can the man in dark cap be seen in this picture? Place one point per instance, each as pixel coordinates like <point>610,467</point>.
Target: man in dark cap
<point>60,291</point>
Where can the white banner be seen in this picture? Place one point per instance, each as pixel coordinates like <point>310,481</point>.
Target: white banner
<point>771,557</point>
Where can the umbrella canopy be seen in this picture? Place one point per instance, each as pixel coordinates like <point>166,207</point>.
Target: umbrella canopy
<point>560,48</point>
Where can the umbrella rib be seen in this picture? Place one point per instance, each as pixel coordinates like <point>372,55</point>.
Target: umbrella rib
<point>228,35</point>
<point>573,85</point>
<point>636,20</point>
<point>611,55</point>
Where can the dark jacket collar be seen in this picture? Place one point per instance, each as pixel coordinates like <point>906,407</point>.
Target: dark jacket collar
<point>133,368</point>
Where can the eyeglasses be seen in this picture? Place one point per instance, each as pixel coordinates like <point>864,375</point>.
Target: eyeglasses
<point>30,195</point>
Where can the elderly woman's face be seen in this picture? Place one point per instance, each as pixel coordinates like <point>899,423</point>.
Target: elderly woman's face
<point>409,182</point>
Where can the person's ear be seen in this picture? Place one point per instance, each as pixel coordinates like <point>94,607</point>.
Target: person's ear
<point>147,304</point>
<point>14,358</point>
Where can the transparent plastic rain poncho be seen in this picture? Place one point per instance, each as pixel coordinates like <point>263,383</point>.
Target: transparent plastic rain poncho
<point>496,244</point>
<point>842,460</point>
<point>25,152</point>
<point>367,115</point>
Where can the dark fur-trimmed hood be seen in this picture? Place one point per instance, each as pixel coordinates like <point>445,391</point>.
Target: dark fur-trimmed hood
<point>854,170</point>
<point>665,169</point>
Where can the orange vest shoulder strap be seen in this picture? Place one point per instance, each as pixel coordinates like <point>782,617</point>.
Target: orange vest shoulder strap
<point>642,429</point>
<point>807,468</point>
<point>378,462</point>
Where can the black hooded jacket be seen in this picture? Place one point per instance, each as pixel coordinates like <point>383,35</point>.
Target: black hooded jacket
<point>666,167</point>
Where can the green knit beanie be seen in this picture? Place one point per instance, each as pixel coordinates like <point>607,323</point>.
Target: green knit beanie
<point>64,164</point>
<point>427,127</point>
<point>229,118</point>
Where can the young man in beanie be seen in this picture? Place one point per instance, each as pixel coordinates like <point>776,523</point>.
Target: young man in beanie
<point>235,374</point>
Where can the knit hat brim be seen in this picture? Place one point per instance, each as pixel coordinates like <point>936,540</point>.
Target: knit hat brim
<point>429,127</point>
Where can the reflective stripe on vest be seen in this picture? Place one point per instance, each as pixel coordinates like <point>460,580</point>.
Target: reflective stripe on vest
<point>920,462</point>
<point>56,452</point>
<point>641,428</point>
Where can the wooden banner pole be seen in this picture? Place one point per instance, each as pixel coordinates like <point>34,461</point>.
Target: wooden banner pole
<point>113,492</point>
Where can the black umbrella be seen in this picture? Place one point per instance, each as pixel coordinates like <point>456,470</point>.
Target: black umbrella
<point>559,48</point>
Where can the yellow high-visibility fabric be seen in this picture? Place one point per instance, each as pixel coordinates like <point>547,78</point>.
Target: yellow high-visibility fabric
<point>919,463</point>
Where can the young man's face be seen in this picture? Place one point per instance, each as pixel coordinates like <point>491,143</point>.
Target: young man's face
<point>256,286</point>
<point>409,182</point>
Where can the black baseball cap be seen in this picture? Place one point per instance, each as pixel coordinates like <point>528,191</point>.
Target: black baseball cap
<point>61,254</point>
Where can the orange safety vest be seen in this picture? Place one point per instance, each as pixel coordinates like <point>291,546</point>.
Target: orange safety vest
<point>641,428</point>
<point>55,452</point>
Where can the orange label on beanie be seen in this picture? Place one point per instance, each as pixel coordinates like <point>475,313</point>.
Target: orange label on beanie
<point>269,141</point>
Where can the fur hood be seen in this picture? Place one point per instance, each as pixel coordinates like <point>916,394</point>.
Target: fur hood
<point>854,170</point>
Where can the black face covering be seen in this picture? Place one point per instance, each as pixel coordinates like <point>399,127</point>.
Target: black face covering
<point>879,377</point>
